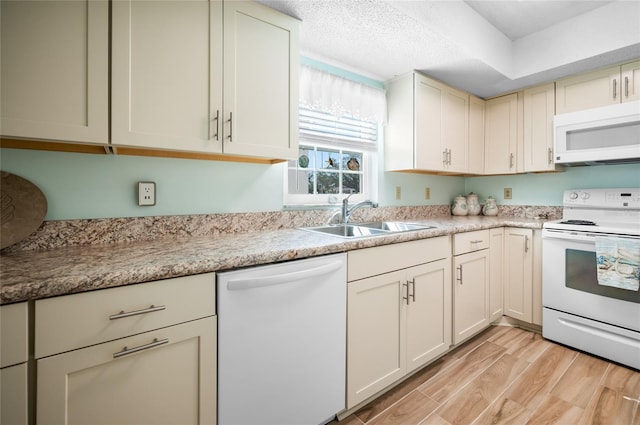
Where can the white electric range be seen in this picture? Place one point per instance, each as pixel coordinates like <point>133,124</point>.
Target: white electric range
<point>578,310</point>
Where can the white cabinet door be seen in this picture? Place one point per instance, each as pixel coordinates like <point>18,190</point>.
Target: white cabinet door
<point>165,55</point>
<point>471,294</point>
<point>260,114</point>
<point>518,279</point>
<point>455,125</point>
<point>539,109</point>
<point>429,153</point>
<point>586,91</point>
<point>630,81</point>
<point>428,312</point>
<point>172,380</point>
<point>500,137</point>
<point>54,70</point>
<point>14,395</point>
<point>375,327</point>
<point>475,150</point>
<point>496,272</point>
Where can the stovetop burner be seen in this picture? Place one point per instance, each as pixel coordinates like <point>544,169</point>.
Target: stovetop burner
<point>579,222</point>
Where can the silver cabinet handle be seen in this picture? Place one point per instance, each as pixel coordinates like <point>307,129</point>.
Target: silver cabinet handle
<point>126,351</point>
<point>124,314</point>
<point>230,121</point>
<point>477,241</point>
<point>444,157</point>
<point>550,156</point>
<point>413,287</point>
<point>511,160</point>
<point>626,86</point>
<point>526,244</point>
<point>615,88</point>
<point>460,278</point>
<point>449,157</point>
<point>217,120</point>
<point>406,285</point>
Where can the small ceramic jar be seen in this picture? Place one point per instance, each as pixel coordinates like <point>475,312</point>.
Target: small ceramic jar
<point>490,207</point>
<point>459,206</point>
<point>473,206</point>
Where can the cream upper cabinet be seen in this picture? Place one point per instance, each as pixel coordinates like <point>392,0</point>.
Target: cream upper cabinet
<point>539,108</point>
<point>607,86</point>
<point>398,312</point>
<point>518,278</point>
<point>501,135</point>
<point>55,70</point>
<point>205,76</point>
<point>427,127</point>
<point>475,153</point>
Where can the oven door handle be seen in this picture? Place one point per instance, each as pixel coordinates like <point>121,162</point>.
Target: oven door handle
<point>579,236</point>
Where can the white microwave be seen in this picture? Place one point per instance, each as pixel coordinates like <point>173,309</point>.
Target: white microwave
<point>610,134</point>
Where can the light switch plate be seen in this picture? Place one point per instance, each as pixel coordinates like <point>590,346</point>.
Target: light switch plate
<point>146,193</point>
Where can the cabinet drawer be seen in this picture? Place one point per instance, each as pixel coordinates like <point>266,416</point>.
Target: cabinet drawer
<point>14,333</point>
<point>79,320</point>
<point>383,259</point>
<point>470,241</point>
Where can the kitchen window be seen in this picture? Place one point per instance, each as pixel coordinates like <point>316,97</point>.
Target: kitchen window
<point>339,123</point>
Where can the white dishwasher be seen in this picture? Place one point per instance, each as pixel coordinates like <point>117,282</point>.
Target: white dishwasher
<point>282,342</point>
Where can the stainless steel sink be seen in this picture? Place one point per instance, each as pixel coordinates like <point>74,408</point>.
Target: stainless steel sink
<point>346,231</point>
<point>361,230</point>
<point>395,226</point>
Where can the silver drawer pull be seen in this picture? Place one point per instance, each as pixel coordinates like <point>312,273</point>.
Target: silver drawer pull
<point>155,343</point>
<point>124,314</point>
<point>477,241</point>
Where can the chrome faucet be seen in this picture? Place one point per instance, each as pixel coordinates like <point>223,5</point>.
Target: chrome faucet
<point>346,211</point>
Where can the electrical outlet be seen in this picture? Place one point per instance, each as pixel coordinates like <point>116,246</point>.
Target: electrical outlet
<point>398,193</point>
<point>146,193</point>
<point>427,193</point>
<point>507,193</point>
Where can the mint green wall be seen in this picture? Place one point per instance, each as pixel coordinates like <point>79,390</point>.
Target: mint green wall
<point>547,188</point>
<point>105,186</point>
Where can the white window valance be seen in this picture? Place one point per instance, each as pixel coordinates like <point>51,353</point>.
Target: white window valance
<point>325,92</point>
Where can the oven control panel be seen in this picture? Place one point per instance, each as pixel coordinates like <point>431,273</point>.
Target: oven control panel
<point>602,198</point>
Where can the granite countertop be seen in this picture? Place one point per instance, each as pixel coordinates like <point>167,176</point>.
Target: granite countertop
<point>29,275</point>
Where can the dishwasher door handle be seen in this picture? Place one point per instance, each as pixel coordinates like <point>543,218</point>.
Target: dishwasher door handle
<point>279,279</point>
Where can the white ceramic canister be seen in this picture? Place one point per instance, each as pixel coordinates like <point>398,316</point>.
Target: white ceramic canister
<point>473,206</point>
<point>490,207</point>
<point>459,206</point>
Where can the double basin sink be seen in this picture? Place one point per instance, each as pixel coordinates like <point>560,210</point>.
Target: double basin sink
<point>360,230</point>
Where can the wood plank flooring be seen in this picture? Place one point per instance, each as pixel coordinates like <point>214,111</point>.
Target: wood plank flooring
<point>507,375</point>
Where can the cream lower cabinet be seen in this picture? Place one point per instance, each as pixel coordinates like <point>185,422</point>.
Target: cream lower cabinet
<point>518,278</point>
<point>471,284</point>
<point>398,313</point>
<point>14,364</point>
<point>135,354</point>
<point>496,273</point>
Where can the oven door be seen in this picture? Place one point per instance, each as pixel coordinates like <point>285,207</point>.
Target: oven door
<point>570,282</point>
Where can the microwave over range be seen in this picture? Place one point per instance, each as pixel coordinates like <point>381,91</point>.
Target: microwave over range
<point>606,135</point>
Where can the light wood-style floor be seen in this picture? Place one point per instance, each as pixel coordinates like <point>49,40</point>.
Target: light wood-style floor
<point>508,375</point>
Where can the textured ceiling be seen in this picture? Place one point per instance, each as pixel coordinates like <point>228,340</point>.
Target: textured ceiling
<point>484,47</point>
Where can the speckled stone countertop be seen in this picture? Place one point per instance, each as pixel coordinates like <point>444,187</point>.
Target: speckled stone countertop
<point>27,275</point>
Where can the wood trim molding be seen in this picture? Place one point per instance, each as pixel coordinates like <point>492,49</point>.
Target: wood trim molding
<point>125,150</point>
